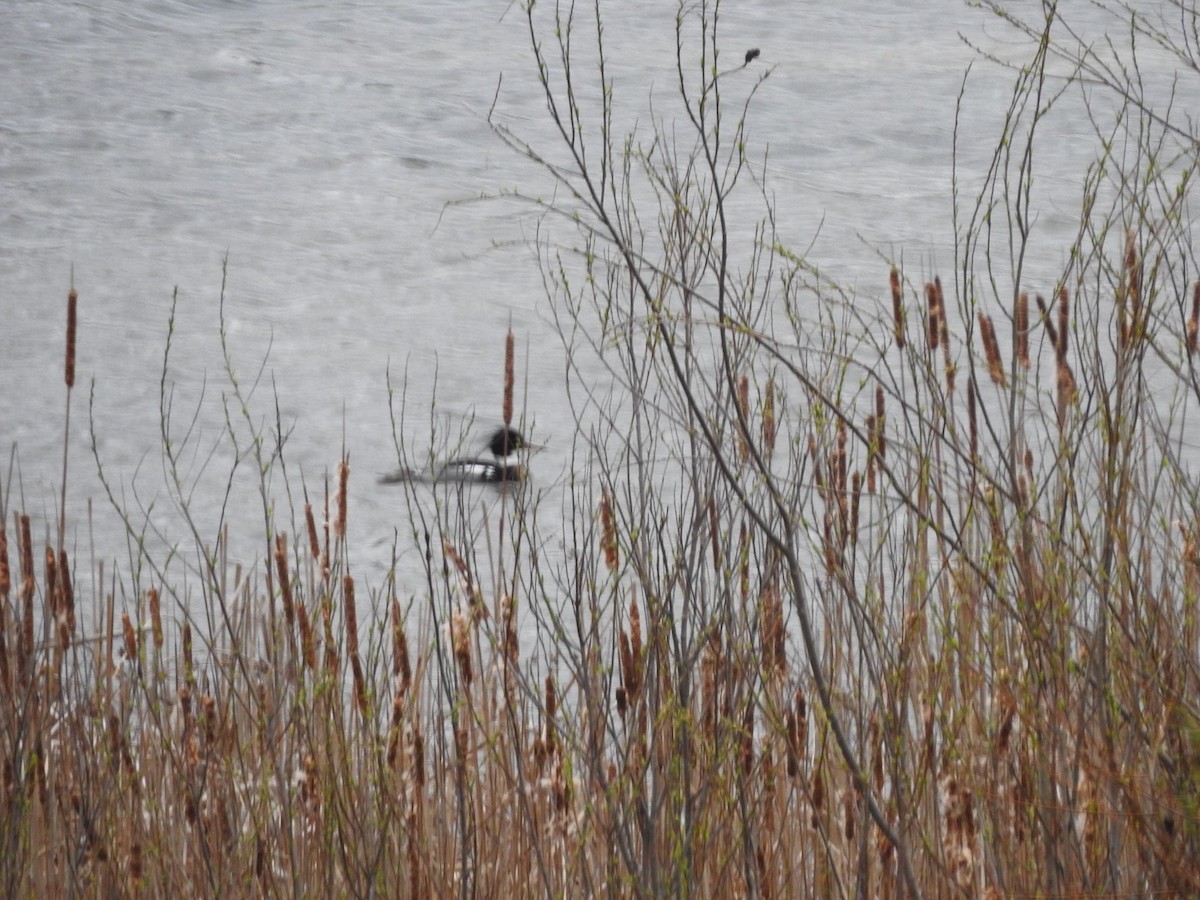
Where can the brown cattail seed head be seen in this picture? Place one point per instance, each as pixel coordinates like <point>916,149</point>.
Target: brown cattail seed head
<point>72,297</point>
<point>897,308</point>
<point>508,378</point>
<point>1051,331</point>
<point>608,533</point>
<point>1193,325</point>
<point>991,349</point>
<point>343,477</point>
<point>934,319</point>
<point>155,618</point>
<point>6,577</point>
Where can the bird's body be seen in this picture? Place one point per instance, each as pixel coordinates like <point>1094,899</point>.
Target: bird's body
<point>504,445</point>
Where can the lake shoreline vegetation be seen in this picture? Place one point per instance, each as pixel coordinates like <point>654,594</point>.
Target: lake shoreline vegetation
<point>860,596</point>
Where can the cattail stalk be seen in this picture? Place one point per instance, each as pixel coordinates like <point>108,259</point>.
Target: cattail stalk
<point>1051,331</point>
<point>931,297</point>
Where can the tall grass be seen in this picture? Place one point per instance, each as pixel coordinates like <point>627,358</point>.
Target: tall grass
<point>860,597</point>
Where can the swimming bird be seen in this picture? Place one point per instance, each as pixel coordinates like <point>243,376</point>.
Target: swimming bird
<point>505,444</point>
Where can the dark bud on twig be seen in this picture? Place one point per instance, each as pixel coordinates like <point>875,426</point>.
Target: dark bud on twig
<point>751,55</point>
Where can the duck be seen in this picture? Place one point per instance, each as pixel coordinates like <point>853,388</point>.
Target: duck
<point>505,444</point>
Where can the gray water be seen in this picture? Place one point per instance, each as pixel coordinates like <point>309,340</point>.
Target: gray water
<point>323,149</point>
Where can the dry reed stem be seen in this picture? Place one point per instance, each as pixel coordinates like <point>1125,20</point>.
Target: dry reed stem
<point>897,308</point>
<point>508,377</point>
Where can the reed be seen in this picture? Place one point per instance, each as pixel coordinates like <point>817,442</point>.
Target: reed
<point>875,644</point>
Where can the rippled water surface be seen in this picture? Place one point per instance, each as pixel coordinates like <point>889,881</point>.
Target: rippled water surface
<point>317,146</point>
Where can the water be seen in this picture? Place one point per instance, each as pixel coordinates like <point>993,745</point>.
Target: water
<point>316,147</point>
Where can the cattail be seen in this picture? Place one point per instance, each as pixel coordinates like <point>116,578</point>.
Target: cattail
<point>1193,337</point>
<point>1051,331</point>
<point>1067,390</point>
<point>880,438</point>
<point>155,618</point>
<point>187,654</point>
<point>972,424</point>
<point>944,329</point>
<point>51,578</point>
<point>744,561</point>
<point>714,535</point>
<point>856,484</point>
<point>418,756</point>
<point>72,297</point>
<point>551,708</point>
<point>1133,280</point>
<point>460,640</point>
<point>897,308</point>
<point>743,400</point>
<point>343,471</point>
<point>6,578</point>
<point>308,649</point>
<point>768,419</point>
<point>510,645</point>
<point>314,544</point>
<point>793,744</point>
<point>400,664</point>
<point>934,319</point>
<point>285,584</point>
<point>608,533</point>
<point>635,637</point>
<point>508,377</point>
<point>748,739</point>
<point>773,635</point>
<point>1063,323</point>
<point>991,349</point>
<point>131,644</point>
<point>1021,326</point>
<point>815,456</point>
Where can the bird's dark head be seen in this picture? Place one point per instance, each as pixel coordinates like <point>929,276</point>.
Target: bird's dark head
<point>507,441</point>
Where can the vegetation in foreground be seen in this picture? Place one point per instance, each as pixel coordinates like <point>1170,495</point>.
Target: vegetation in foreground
<point>859,599</point>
